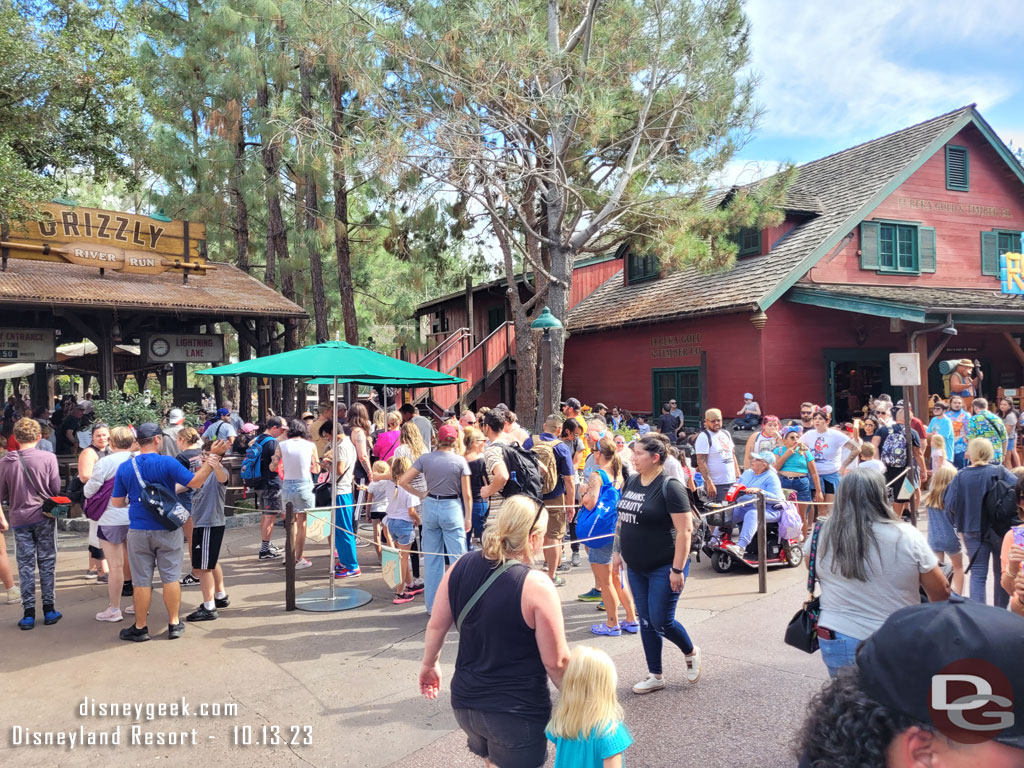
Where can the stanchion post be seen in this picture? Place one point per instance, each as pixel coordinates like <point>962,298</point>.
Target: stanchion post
<point>289,557</point>
<point>762,546</point>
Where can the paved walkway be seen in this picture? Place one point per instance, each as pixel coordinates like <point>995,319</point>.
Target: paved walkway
<point>351,677</point>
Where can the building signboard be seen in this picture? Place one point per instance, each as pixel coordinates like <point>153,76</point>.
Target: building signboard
<point>182,348</point>
<point>122,242</point>
<point>27,345</point>
<point>1011,273</point>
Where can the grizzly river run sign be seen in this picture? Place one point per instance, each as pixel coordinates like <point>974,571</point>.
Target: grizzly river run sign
<point>122,242</point>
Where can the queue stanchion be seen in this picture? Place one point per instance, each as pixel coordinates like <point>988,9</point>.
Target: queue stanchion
<point>762,545</point>
<point>289,557</point>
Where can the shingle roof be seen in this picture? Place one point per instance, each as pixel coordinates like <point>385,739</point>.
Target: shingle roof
<point>225,290</point>
<point>841,184</point>
<point>978,299</point>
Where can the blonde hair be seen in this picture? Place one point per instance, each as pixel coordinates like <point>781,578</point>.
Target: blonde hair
<point>381,467</point>
<point>394,419</point>
<point>507,533</point>
<point>123,437</point>
<point>378,419</point>
<point>399,466</point>
<point>867,452</point>
<point>938,442</point>
<point>411,437</point>
<point>941,478</point>
<point>980,449</point>
<point>711,414</point>
<point>27,431</point>
<point>587,702</point>
<point>469,436</point>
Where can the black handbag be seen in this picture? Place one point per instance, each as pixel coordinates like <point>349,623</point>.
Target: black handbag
<point>802,630</point>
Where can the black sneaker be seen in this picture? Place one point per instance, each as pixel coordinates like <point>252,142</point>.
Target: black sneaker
<point>174,631</point>
<point>202,613</point>
<point>127,590</point>
<point>189,581</point>
<point>269,554</point>
<point>222,602</point>
<point>135,634</point>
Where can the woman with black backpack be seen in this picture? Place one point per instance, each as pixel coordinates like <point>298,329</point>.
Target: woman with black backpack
<point>965,501</point>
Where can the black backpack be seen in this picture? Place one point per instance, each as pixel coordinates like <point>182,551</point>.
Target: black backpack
<point>523,472</point>
<point>999,506</point>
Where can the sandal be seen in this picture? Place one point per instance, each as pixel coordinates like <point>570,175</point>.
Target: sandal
<point>630,626</point>
<point>604,630</point>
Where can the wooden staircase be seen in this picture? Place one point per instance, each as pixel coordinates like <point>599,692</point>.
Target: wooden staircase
<point>481,366</point>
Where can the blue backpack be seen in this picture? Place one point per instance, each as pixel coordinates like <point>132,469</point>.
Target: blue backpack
<point>252,464</point>
<point>602,519</point>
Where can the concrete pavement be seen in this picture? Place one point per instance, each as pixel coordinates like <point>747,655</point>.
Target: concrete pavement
<point>346,681</point>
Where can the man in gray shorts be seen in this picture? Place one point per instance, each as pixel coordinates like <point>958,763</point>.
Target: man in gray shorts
<point>150,545</point>
<point>268,494</point>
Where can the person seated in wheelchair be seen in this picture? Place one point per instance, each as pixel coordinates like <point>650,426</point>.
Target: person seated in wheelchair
<point>761,475</point>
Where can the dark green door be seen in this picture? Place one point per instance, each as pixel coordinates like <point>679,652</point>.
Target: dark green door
<point>682,385</point>
<point>495,317</point>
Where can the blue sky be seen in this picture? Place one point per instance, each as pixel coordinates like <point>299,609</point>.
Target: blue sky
<point>833,74</point>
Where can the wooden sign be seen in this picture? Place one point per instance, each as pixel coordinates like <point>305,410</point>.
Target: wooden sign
<point>109,240</point>
<point>183,348</point>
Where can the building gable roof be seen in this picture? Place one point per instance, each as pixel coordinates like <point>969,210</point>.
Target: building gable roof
<point>846,186</point>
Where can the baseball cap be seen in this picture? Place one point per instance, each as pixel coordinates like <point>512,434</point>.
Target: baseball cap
<point>307,415</point>
<point>766,456</point>
<point>148,429</point>
<point>748,396</point>
<point>248,428</point>
<point>600,407</point>
<point>573,403</point>
<point>223,412</point>
<point>176,416</point>
<point>447,434</point>
<point>899,662</point>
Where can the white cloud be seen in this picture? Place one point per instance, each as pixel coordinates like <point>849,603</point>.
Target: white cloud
<point>738,171</point>
<point>855,70</point>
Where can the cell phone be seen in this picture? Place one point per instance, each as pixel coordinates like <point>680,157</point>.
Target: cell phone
<point>1018,535</point>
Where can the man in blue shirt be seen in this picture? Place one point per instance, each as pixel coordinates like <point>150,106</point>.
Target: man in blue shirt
<point>761,475</point>
<point>149,543</point>
<point>941,424</point>
<point>555,501</point>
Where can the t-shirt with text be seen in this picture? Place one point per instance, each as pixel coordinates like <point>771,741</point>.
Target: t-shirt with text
<point>721,458</point>
<point>646,532</point>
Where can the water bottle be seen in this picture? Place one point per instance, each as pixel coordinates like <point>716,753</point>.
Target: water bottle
<point>698,479</point>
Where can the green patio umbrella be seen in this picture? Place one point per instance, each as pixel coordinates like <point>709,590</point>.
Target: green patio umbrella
<point>332,360</point>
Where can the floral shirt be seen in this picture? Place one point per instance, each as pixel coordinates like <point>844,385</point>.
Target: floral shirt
<point>986,424</point>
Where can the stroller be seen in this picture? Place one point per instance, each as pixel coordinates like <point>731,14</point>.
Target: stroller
<point>783,538</point>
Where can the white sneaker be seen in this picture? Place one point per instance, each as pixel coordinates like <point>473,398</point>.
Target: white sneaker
<point>693,665</point>
<point>303,563</point>
<point>652,683</point>
<point>14,595</point>
<point>111,614</point>
<point>130,610</point>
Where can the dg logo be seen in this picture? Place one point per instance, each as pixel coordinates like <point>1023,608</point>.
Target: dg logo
<point>971,701</point>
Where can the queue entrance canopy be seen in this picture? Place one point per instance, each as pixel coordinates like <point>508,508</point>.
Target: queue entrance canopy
<point>116,278</point>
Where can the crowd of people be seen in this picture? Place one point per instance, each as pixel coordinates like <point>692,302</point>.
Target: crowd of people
<point>487,517</point>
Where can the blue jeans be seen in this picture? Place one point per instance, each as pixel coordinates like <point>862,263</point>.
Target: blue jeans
<point>656,607</point>
<point>344,542</point>
<point>959,459</point>
<point>838,653</point>
<point>829,482</point>
<point>443,526</point>
<point>480,509</point>
<point>802,486</point>
<point>979,570</point>
<point>771,515</point>
<point>747,420</point>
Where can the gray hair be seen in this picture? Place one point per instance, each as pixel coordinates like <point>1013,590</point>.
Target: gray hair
<point>860,501</point>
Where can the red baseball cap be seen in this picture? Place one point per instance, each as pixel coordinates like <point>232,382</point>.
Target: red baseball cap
<point>447,434</point>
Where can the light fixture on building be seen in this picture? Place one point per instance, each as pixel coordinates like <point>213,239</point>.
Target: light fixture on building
<point>160,215</point>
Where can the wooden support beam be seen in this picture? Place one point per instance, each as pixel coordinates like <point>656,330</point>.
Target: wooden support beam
<point>1017,351</point>
<point>934,355</point>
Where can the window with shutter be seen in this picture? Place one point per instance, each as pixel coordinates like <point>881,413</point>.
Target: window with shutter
<point>749,241</point>
<point>892,246</point>
<point>926,248</point>
<point>957,168</point>
<point>869,245</point>
<point>641,266</point>
<point>994,244</point>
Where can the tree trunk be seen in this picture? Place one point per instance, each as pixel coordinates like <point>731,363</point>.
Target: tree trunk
<point>341,234</point>
<point>242,247</point>
<point>527,406</point>
<point>311,209</point>
<point>558,302</point>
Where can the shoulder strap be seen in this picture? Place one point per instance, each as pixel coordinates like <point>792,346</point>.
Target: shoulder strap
<point>29,478</point>
<point>480,592</point>
<point>812,572</point>
<point>135,466</point>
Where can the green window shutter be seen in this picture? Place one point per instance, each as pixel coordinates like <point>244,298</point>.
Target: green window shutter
<point>869,245</point>
<point>926,248</point>
<point>957,168</point>
<point>990,253</point>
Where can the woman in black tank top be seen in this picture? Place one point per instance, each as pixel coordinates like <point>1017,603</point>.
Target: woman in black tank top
<point>511,639</point>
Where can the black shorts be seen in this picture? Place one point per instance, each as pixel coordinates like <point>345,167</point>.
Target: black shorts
<point>508,741</point>
<point>377,515</point>
<point>206,543</point>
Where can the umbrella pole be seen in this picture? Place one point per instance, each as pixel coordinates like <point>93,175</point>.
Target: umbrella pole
<point>334,478</point>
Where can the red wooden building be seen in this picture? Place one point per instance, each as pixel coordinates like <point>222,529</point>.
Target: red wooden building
<point>879,243</point>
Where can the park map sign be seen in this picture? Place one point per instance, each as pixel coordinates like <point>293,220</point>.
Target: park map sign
<point>121,242</point>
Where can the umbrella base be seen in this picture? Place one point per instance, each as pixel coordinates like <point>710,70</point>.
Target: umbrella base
<point>320,600</point>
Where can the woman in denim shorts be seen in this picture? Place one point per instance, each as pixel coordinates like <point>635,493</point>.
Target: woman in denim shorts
<point>797,472</point>
<point>298,458</point>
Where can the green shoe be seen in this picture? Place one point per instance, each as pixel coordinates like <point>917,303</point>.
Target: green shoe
<point>593,596</point>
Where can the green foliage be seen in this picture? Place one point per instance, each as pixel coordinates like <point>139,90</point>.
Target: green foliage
<point>120,410</point>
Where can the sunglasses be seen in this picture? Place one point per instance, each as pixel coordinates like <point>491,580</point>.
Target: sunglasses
<point>805,413</point>
<point>536,518</point>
